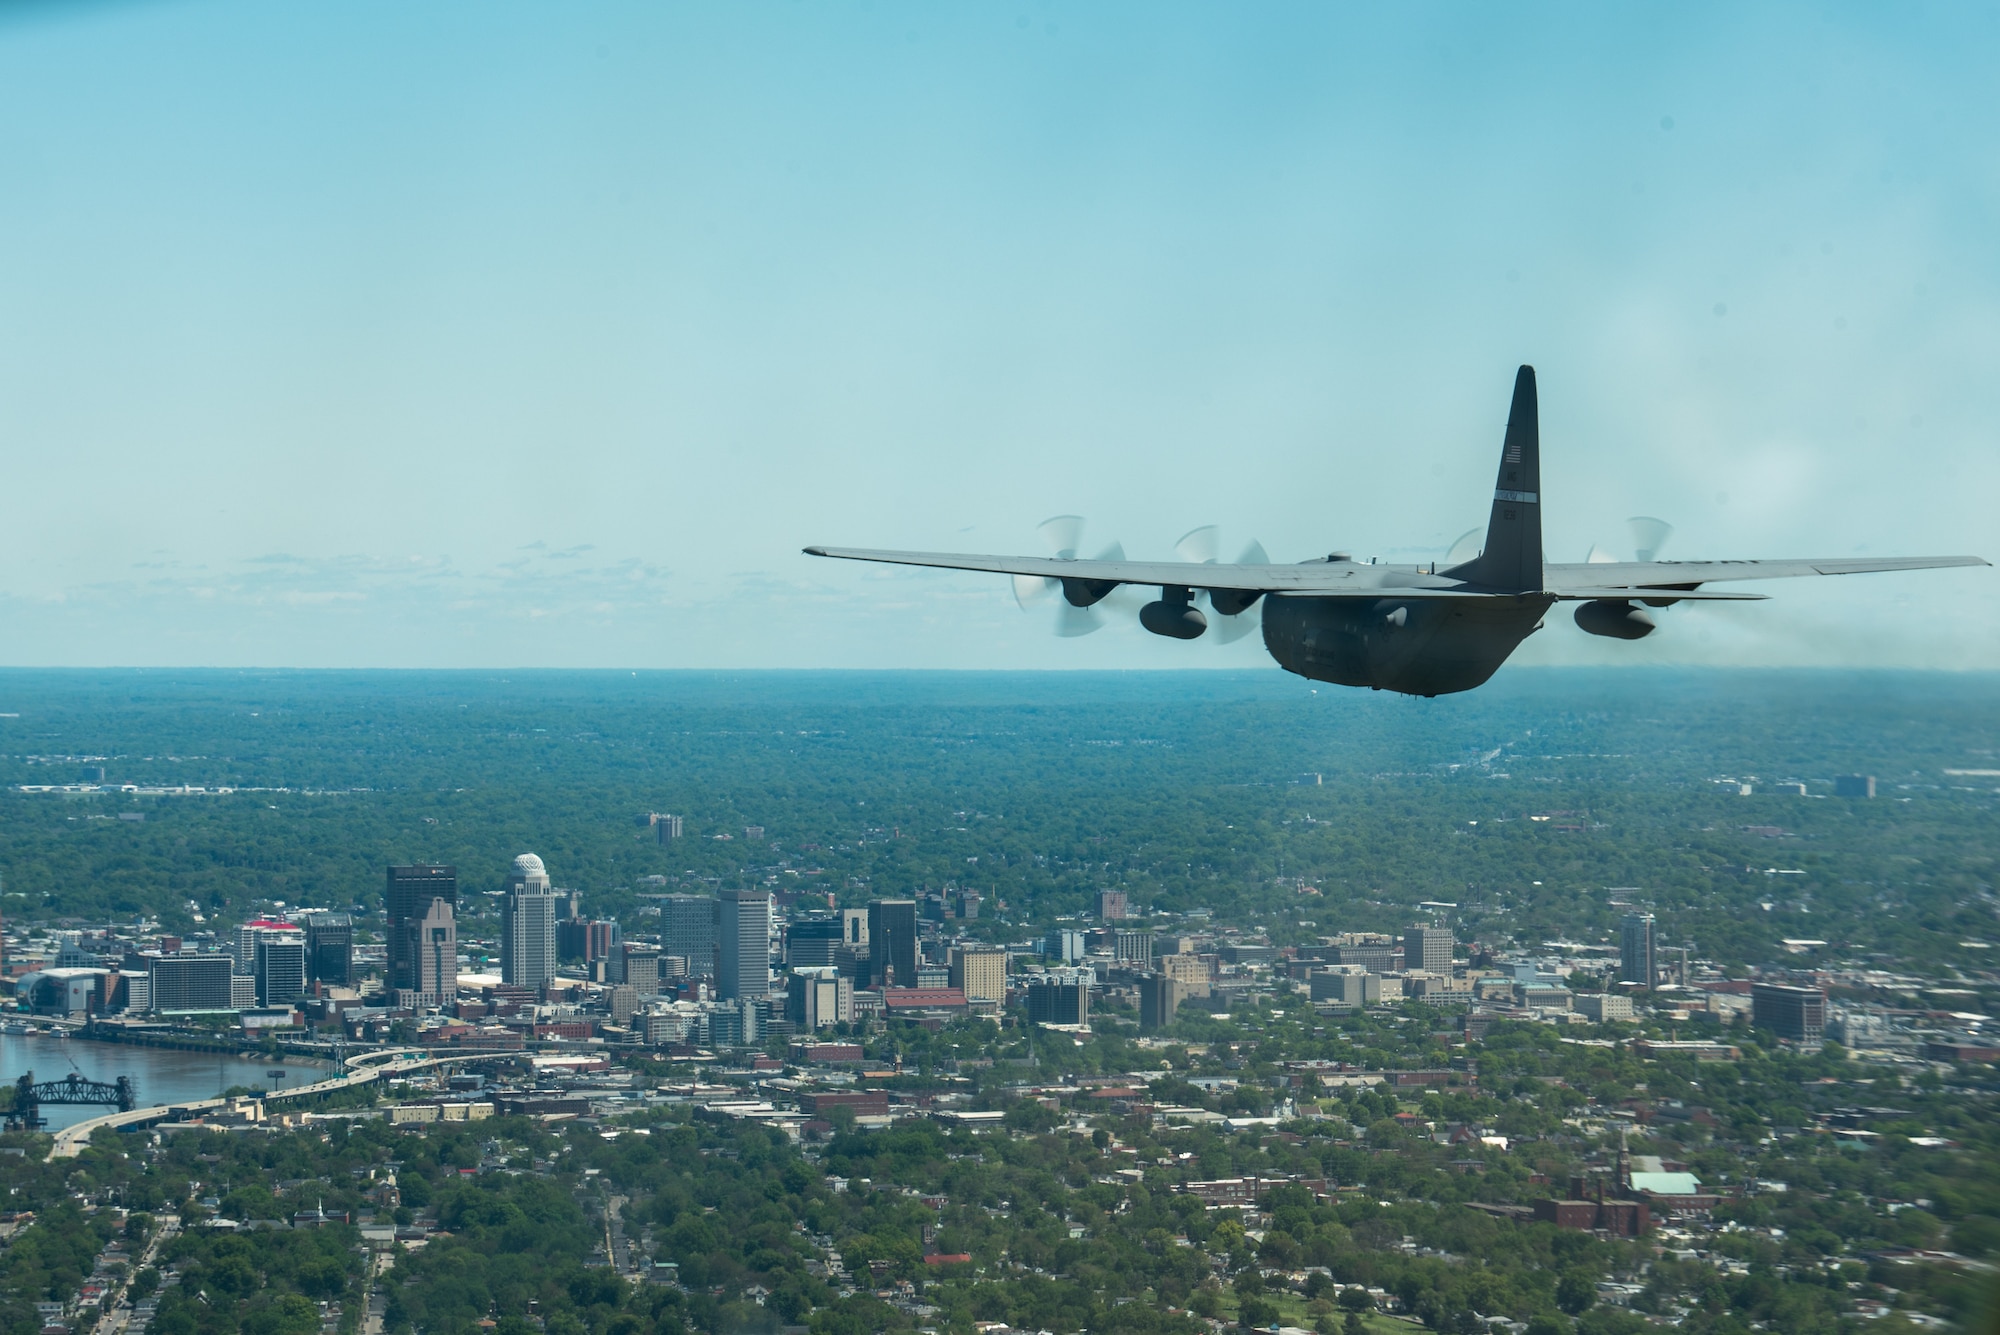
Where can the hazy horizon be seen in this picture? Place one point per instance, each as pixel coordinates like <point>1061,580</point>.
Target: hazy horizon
<point>492,335</point>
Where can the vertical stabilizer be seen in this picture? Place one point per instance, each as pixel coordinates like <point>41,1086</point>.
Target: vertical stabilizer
<point>1513,556</point>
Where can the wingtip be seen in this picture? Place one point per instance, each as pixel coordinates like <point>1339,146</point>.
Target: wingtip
<point>815,551</point>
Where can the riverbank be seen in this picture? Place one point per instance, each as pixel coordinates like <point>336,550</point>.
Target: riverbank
<point>161,1075</point>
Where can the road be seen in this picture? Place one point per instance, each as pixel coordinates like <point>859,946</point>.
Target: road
<point>362,1070</point>
<point>116,1319</point>
<point>371,1316</point>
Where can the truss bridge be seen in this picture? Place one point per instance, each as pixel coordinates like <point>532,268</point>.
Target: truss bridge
<point>74,1089</point>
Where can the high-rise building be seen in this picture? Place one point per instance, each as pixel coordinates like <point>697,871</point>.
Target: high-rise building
<point>411,892</point>
<point>1854,785</point>
<point>642,969</point>
<point>816,998</point>
<point>1132,949</point>
<point>1636,963</point>
<point>243,947</point>
<point>623,1001</point>
<point>980,972</point>
<point>601,940</point>
<point>854,928</point>
<point>1190,971</point>
<point>435,979</point>
<point>280,967</point>
<point>572,939</point>
<point>329,948</point>
<point>690,927</point>
<point>1057,999</point>
<point>1428,949</point>
<point>892,942</point>
<point>738,1026</point>
<point>528,926</point>
<point>1111,906</point>
<point>184,983</point>
<point>1160,997</point>
<point>743,955</point>
<point>1064,945</point>
<point>1797,1013</point>
<point>810,943</point>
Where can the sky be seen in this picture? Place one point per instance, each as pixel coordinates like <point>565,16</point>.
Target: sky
<point>505,334</point>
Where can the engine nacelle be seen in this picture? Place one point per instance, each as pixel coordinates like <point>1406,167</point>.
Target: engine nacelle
<point>1176,619</point>
<point>1087,592</point>
<point>1233,602</point>
<point>1615,620</point>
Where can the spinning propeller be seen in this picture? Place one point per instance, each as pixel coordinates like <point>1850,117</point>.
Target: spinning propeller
<point>1063,536</point>
<point>1649,536</point>
<point>1231,622</point>
<point>1080,604</point>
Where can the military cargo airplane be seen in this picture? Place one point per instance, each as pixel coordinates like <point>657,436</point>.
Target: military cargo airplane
<point>1416,629</point>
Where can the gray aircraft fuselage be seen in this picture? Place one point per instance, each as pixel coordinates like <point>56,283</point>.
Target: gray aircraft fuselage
<point>1434,647</point>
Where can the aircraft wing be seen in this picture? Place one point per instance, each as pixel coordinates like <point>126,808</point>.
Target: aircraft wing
<point>1321,577</point>
<point>1581,579</point>
<point>1610,580</point>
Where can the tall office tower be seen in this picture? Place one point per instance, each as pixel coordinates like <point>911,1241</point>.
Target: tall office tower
<point>1635,950</point>
<point>623,1002</point>
<point>980,972</point>
<point>329,948</point>
<point>1111,906</point>
<point>892,942</point>
<point>601,940</point>
<point>810,943</point>
<point>1160,997</point>
<point>642,969</point>
<point>572,939</point>
<point>1429,949</point>
<point>243,948</point>
<point>280,967</point>
<point>667,827</point>
<point>193,983</point>
<point>528,926</point>
<point>1797,1013</point>
<point>743,955</point>
<point>1190,971</point>
<point>1064,945</point>
<point>408,901</point>
<point>1133,949</point>
<point>1058,999</point>
<point>436,980</point>
<point>689,928</point>
<point>816,998</point>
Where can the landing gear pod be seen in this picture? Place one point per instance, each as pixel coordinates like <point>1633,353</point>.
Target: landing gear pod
<point>1174,616</point>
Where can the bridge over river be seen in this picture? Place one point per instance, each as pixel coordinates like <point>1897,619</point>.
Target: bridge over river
<point>364,1069</point>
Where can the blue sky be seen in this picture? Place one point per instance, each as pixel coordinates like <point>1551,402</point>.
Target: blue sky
<point>508,334</point>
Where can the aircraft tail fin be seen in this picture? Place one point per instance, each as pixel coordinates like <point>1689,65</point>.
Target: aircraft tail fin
<point>1512,558</point>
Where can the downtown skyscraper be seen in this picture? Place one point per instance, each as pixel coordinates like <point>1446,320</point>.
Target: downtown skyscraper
<point>528,926</point>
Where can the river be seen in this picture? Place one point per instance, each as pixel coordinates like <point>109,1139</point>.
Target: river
<point>162,1075</point>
